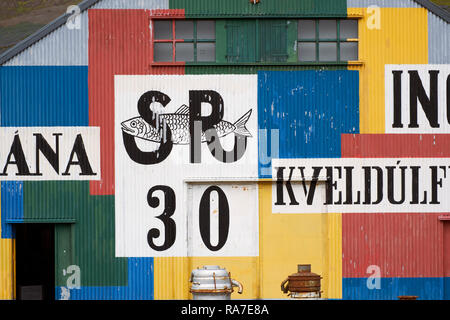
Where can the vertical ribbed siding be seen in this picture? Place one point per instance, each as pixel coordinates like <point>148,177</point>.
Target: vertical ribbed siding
<point>69,47</point>
<point>119,43</point>
<point>382,3</point>
<point>438,40</point>
<point>221,8</point>
<point>132,4</point>
<point>403,245</point>
<point>438,29</point>
<point>334,242</point>
<point>311,109</point>
<point>6,269</point>
<point>61,47</point>
<point>401,39</point>
<point>407,247</point>
<point>34,96</point>
<point>172,278</point>
<point>6,266</point>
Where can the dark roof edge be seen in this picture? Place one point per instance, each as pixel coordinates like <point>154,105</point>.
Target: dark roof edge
<point>41,33</point>
<point>52,26</point>
<point>434,8</point>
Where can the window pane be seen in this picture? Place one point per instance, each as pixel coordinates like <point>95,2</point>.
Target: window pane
<point>348,29</point>
<point>184,51</point>
<point>206,30</point>
<point>306,29</point>
<point>206,51</point>
<point>184,29</point>
<point>327,51</point>
<point>349,51</point>
<point>163,52</point>
<point>163,29</point>
<point>327,29</point>
<point>306,51</point>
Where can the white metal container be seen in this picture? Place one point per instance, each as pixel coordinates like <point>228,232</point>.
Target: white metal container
<point>212,283</point>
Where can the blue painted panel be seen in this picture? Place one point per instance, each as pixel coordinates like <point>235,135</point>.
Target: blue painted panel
<point>39,96</point>
<point>140,285</point>
<point>310,110</point>
<point>12,206</point>
<point>44,96</point>
<point>391,288</point>
<point>446,288</point>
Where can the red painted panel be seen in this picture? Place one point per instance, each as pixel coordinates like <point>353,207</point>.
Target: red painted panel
<point>446,249</point>
<point>401,244</point>
<point>119,43</point>
<point>395,145</point>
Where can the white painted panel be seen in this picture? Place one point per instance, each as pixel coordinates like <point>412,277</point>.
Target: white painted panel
<point>425,120</point>
<point>134,216</point>
<point>22,160</point>
<point>357,185</point>
<point>233,228</point>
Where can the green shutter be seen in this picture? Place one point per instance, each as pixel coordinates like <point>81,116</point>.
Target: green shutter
<point>273,40</point>
<point>241,41</point>
<point>250,40</point>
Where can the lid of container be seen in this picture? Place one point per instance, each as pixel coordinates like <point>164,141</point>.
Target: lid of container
<point>210,278</point>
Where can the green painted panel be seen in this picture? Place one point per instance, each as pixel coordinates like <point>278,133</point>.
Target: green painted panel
<point>253,69</point>
<point>292,35</point>
<point>240,40</point>
<point>221,44</point>
<point>266,8</point>
<point>92,239</point>
<point>64,254</point>
<point>272,40</point>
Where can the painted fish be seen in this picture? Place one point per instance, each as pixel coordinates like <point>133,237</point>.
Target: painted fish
<point>178,123</point>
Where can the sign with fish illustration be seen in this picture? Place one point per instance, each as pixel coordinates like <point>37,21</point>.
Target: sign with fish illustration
<point>179,133</point>
<point>178,123</point>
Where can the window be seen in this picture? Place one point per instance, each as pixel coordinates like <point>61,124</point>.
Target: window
<point>184,40</point>
<point>327,40</point>
<point>252,40</point>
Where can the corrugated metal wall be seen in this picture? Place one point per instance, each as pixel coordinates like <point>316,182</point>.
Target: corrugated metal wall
<point>118,42</point>
<point>239,8</point>
<point>6,262</point>
<point>393,43</point>
<point>368,238</point>
<point>438,40</point>
<point>68,46</point>
<point>407,247</point>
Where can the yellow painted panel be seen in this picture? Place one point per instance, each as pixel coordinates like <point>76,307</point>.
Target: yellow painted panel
<point>243,269</point>
<point>171,278</point>
<point>285,241</point>
<point>402,38</point>
<point>172,275</point>
<point>6,267</point>
<point>291,239</point>
<point>335,256</point>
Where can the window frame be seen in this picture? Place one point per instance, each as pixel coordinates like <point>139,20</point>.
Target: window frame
<point>219,61</point>
<point>317,41</point>
<point>176,40</point>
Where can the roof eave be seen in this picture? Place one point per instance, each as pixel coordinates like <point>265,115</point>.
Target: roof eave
<point>41,33</point>
<point>434,8</point>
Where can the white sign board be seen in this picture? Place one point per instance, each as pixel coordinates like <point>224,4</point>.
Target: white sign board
<point>49,153</point>
<point>347,185</point>
<point>417,98</point>
<point>155,118</point>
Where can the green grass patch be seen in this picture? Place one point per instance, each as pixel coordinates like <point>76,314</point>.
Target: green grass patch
<point>12,34</point>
